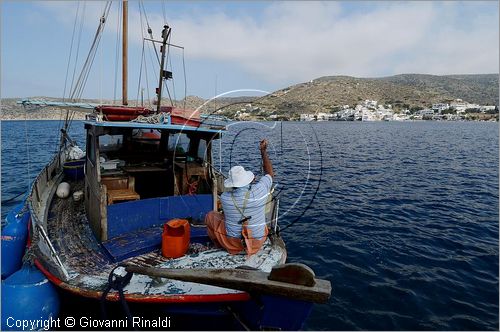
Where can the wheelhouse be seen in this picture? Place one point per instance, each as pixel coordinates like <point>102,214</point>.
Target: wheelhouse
<point>140,175</point>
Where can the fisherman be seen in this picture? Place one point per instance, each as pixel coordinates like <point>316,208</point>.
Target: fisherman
<point>243,224</point>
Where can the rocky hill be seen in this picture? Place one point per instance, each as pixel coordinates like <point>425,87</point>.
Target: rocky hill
<point>325,93</point>
<point>10,110</point>
<point>403,91</point>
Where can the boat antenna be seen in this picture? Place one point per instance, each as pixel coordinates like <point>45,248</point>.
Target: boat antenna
<point>164,74</point>
<point>125,52</point>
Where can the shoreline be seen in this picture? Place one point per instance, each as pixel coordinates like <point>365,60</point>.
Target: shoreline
<point>399,121</point>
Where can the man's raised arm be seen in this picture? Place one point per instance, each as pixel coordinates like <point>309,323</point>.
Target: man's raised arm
<point>268,167</point>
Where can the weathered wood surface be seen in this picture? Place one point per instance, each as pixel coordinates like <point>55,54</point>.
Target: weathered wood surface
<point>72,237</point>
<point>293,273</point>
<point>120,188</point>
<point>89,266</point>
<point>242,279</point>
<point>119,195</point>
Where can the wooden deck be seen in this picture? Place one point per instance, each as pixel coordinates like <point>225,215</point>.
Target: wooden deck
<point>89,264</point>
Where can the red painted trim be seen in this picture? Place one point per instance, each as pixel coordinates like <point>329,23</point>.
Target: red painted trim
<point>141,298</point>
<point>49,275</point>
<point>28,242</point>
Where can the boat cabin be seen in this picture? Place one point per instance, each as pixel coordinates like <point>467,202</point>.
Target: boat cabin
<point>140,175</point>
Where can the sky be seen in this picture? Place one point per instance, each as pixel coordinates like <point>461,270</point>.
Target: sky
<point>232,46</point>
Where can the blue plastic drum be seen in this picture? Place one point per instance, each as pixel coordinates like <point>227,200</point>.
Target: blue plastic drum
<point>14,236</point>
<point>27,295</point>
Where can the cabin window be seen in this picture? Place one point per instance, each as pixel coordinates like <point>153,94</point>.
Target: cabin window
<point>110,143</point>
<point>179,143</point>
<point>202,150</point>
<point>146,134</point>
<point>150,163</point>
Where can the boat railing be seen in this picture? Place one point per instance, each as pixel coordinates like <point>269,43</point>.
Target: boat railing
<point>272,211</point>
<point>205,121</point>
<point>42,189</point>
<point>214,121</point>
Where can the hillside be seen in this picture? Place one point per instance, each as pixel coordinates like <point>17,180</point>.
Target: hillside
<point>324,93</point>
<point>405,90</point>
<point>10,110</point>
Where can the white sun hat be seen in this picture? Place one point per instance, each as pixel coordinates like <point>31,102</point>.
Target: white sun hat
<point>238,177</point>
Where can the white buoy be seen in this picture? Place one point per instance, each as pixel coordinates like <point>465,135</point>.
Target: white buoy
<point>63,190</point>
<point>77,195</point>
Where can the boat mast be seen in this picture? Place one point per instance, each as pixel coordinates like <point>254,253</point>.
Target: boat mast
<point>125,53</point>
<point>163,73</point>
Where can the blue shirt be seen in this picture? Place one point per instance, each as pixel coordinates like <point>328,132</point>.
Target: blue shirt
<point>255,207</point>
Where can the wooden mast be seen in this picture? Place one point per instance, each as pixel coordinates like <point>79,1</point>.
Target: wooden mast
<point>125,53</point>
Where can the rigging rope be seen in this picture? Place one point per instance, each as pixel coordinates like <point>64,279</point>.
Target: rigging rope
<point>142,12</point>
<point>142,57</point>
<point>66,77</point>
<point>150,31</point>
<point>147,80</point>
<point>67,118</point>
<point>84,74</point>
<point>27,145</point>
<point>140,74</point>
<point>173,84</point>
<point>185,78</point>
<point>165,80</point>
<point>151,62</point>
<point>77,50</point>
<point>161,117</point>
<point>71,50</point>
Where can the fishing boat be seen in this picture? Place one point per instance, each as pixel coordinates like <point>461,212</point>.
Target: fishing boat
<point>126,221</point>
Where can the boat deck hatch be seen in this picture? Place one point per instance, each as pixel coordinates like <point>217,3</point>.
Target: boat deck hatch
<point>145,240</point>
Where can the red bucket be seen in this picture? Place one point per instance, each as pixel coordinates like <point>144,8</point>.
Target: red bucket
<point>175,238</point>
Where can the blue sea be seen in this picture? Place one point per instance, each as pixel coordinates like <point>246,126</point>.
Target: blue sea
<point>401,217</point>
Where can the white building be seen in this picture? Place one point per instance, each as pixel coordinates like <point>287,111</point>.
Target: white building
<point>426,112</point>
<point>484,109</point>
<point>368,115</point>
<point>440,107</point>
<point>400,117</point>
<point>322,116</point>
<point>370,103</point>
<point>459,105</point>
<point>306,117</point>
<point>473,106</point>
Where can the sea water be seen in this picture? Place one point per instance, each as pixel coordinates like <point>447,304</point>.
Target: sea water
<point>401,217</point>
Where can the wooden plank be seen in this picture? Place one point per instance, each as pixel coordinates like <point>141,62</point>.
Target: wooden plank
<point>245,280</point>
<point>103,205</point>
<point>122,195</point>
<point>294,273</point>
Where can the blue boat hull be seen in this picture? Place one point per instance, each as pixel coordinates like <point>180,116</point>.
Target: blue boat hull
<point>258,313</point>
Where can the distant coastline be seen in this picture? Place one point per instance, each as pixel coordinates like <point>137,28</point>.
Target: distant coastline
<point>405,96</point>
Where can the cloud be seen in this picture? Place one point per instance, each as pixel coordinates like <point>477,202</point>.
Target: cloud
<point>298,41</point>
